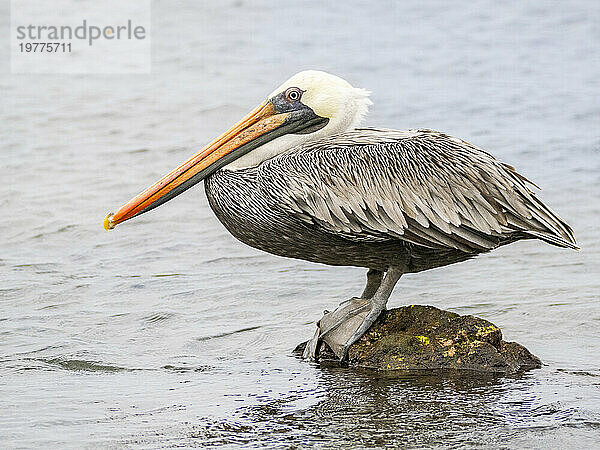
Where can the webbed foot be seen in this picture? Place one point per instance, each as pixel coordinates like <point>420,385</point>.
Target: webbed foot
<point>341,328</point>
<point>348,322</point>
<point>371,316</point>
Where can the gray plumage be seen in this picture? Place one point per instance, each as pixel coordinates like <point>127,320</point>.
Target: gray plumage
<point>377,198</point>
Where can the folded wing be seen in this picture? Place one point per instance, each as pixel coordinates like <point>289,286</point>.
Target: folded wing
<point>420,186</point>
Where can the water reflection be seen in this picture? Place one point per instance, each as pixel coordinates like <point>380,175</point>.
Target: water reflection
<point>369,409</point>
<point>373,409</point>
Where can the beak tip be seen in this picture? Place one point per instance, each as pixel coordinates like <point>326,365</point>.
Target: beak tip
<point>108,223</point>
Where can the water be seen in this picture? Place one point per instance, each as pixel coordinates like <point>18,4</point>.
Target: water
<point>168,332</point>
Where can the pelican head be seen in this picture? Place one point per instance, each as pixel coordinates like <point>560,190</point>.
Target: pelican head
<point>328,96</point>
<point>307,107</point>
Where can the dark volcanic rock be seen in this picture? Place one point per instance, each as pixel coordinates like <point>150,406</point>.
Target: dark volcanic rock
<point>426,338</point>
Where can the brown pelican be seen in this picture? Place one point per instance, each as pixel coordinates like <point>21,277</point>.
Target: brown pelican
<point>296,178</point>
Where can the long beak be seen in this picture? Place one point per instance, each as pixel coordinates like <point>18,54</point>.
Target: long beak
<point>259,126</point>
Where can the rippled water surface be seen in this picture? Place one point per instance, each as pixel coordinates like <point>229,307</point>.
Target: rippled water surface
<point>168,332</point>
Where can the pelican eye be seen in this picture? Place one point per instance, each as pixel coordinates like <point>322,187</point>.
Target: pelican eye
<point>293,94</point>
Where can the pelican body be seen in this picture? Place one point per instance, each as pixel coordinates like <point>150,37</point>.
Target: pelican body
<point>296,178</point>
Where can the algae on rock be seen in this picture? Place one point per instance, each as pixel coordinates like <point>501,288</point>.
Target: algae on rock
<point>427,338</point>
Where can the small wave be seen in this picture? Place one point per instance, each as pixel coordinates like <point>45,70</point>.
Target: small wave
<point>244,259</point>
<point>138,150</point>
<point>63,229</point>
<point>584,373</point>
<point>184,369</point>
<point>40,268</point>
<point>78,365</point>
<point>158,317</point>
<point>229,333</point>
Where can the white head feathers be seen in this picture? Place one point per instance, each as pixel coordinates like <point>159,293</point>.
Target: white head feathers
<point>328,96</point>
<point>332,97</point>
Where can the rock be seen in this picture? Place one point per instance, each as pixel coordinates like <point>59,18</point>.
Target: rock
<point>427,338</point>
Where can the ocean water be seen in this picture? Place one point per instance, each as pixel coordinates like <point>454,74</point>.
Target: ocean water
<point>168,332</point>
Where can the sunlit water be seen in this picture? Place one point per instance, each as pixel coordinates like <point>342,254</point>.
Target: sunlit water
<point>168,332</point>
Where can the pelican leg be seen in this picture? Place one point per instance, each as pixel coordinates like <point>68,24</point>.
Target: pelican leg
<point>354,306</point>
<point>374,278</point>
<point>337,325</point>
<point>377,303</point>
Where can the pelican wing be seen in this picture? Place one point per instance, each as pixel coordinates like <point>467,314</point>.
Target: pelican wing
<point>420,186</point>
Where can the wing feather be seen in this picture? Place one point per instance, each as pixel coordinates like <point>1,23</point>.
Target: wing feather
<point>420,186</point>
